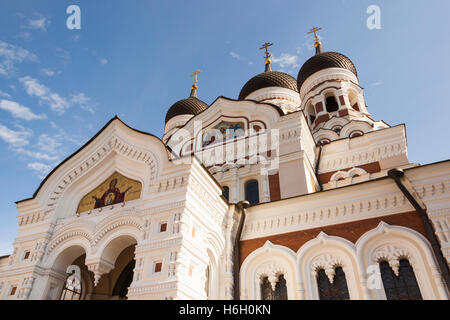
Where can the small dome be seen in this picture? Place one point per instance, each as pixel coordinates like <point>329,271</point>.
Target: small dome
<point>322,61</point>
<point>266,80</point>
<point>191,105</point>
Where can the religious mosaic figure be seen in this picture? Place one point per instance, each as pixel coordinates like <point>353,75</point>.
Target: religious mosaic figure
<point>227,130</point>
<point>110,196</point>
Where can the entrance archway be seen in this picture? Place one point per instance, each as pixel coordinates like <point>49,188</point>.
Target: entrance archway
<point>73,285</point>
<point>114,285</point>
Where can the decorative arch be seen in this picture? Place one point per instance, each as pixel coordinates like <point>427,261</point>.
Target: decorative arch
<point>348,174</point>
<point>340,175</point>
<point>392,243</point>
<point>67,205</point>
<point>268,261</point>
<point>356,172</point>
<point>328,252</point>
<point>214,249</point>
<point>327,134</point>
<point>61,258</point>
<point>355,125</point>
<point>74,237</point>
<point>126,227</point>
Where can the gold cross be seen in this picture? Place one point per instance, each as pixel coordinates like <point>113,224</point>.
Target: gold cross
<point>266,46</point>
<point>196,72</point>
<point>314,30</point>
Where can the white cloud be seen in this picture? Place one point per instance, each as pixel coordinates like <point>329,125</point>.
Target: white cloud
<point>45,95</point>
<point>48,144</point>
<point>103,61</point>
<point>64,55</point>
<point>38,23</point>
<point>48,72</point>
<point>83,101</point>
<point>24,35</point>
<point>15,138</point>
<point>19,111</point>
<point>64,136</point>
<point>286,60</point>
<point>10,55</point>
<point>37,155</point>
<point>5,94</point>
<point>235,55</point>
<point>377,84</point>
<point>41,168</point>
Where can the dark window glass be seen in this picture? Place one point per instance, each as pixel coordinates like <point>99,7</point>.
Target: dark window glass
<point>252,192</point>
<point>332,104</point>
<point>266,289</point>
<point>226,193</point>
<point>403,287</point>
<point>332,291</point>
<point>280,292</point>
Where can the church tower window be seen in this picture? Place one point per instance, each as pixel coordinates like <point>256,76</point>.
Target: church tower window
<point>252,191</point>
<point>337,290</point>
<point>401,287</point>
<point>331,104</point>
<point>226,193</point>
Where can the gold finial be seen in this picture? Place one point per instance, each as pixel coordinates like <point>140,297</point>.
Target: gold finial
<point>314,30</point>
<point>317,43</point>
<point>194,74</point>
<point>268,55</point>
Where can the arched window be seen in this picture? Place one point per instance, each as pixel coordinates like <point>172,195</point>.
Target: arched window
<point>337,129</point>
<point>280,292</point>
<point>252,191</point>
<point>353,100</point>
<point>401,287</point>
<point>332,291</point>
<point>72,288</point>
<point>324,142</point>
<point>331,104</point>
<point>226,193</point>
<point>311,113</point>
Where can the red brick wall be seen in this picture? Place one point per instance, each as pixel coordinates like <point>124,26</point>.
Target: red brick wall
<point>351,231</point>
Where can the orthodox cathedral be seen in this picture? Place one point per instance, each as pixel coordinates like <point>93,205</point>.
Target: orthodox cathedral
<point>292,191</point>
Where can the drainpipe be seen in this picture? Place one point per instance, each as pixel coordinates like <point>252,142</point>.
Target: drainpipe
<point>406,188</point>
<point>317,168</point>
<point>242,205</point>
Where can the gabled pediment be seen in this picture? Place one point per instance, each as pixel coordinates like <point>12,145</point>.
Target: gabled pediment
<point>115,138</point>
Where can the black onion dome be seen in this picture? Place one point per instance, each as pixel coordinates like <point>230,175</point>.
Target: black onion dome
<point>266,80</point>
<point>191,105</point>
<point>322,61</point>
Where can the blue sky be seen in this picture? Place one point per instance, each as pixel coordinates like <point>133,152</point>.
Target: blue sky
<point>58,87</point>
